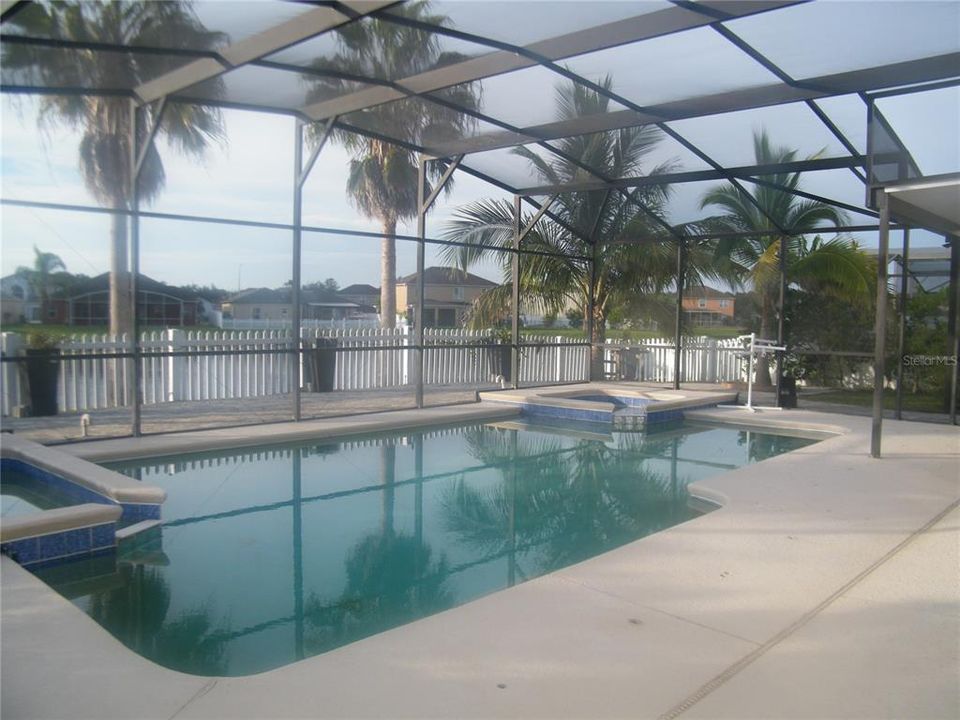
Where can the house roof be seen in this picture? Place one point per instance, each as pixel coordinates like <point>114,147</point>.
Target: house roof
<point>283,296</point>
<point>101,283</point>
<point>447,276</point>
<point>702,291</point>
<point>360,289</point>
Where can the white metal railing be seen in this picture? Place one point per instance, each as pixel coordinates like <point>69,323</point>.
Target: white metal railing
<point>371,358</point>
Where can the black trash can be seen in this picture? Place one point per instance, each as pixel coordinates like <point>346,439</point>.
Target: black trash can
<point>501,360</point>
<point>629,362</point>
<point>787,397</point>
<point>43,375</point>
<point>323,364</point>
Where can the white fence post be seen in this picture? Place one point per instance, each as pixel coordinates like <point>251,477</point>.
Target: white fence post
<point>90,384</point>
<point>11,391</point>
<point>176,365</point>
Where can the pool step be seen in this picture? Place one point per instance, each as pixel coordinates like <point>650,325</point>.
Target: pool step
<point>135,529</point>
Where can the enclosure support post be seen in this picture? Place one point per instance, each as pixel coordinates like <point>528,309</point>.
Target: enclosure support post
<point>296,344</point>
<point>424,203</point>
<point>901,342</point>
<point>135,266</point>
<point>515,295</point>
<point>780,315</point>
<point>138,156</point>
<point>301,171</point>
<point>421,262</point>
<point>678,327</point>
<point>953,304</point>
<point>590,308</point>
<point>879,364</point>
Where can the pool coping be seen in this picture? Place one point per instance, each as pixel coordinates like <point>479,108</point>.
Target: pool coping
<point>568,401</point>
<point>69,466</point>
<point>701,598</point>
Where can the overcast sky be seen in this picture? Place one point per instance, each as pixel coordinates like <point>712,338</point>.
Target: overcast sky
<point>250,178</point>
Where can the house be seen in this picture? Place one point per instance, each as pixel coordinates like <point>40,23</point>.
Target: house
<point>706,307</point>
<point>158,304</point>
<point>448,294</point>
<point>277,305</point>
<point>362,294</point>
<point>18,301</point>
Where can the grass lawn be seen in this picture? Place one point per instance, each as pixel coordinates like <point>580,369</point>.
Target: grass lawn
<point>864,398</point>
<point>65,331</point>
<point>58,331</point>
<point>714,332</point>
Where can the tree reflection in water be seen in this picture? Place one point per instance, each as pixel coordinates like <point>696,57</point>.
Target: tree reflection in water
<point>555,506</point>
<point>136,613</point>
<point>392,579</point>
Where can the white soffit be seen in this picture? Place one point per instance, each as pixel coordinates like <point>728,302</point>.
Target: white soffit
<point>932,203</point>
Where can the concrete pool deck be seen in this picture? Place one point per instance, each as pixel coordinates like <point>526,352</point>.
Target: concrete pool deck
<point>826,586</point>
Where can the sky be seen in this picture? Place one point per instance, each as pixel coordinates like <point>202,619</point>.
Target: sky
<point>249,177</point>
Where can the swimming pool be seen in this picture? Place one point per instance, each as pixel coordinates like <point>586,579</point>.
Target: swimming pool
<point>22,495</point>
<point>270,555</point>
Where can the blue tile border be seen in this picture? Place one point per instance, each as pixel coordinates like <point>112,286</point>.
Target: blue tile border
<point>75,542</point>
<point>132,512</point>
<point>135,512</point>
<point>626,413</point>
<point>62,545</point>
<point>61,485</point>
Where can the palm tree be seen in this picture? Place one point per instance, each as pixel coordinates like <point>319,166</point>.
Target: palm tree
<point>635,264</point>
<point>105,121</point>
<point>382,180</point>
<point>40,275</point>
<point>837,266</point>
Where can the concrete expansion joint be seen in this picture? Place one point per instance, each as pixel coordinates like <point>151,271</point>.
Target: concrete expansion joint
<point>650,608</point>
<point>756,654</point>
<point>207,687</point>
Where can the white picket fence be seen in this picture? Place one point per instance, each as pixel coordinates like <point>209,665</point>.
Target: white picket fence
<point>703,359</point>
<point>368,359</point>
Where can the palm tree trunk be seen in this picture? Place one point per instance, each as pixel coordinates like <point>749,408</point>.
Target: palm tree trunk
<point>121,313</point>
<point>388,275</point>
<point>598,339</point>
<point>121,317</point>
<point>762,364</point>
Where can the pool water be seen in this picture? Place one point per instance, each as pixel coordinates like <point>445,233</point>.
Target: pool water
<point>21,494</point>
<point>271,555</point>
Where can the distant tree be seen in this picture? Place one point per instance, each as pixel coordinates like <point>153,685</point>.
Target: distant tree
<point>209,292</point>
<point>104,120</point>
<point>638,260</point>
<point>41,275</point>
<point>836,267</point>
<point>382,181</point>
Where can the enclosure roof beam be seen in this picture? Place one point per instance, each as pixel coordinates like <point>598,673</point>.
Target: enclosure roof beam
<point>148,142</point>
<point>9,8</point>
<point>295,30</point>
<point>308,165</point>
<point>536,218</point>
<point>441,184</point>
<point>743,172</point>
<point>909,72</point>
<point>508,57</point>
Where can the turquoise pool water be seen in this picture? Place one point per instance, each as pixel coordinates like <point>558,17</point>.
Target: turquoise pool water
<point>267,556</point>
<point>22,495</point>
